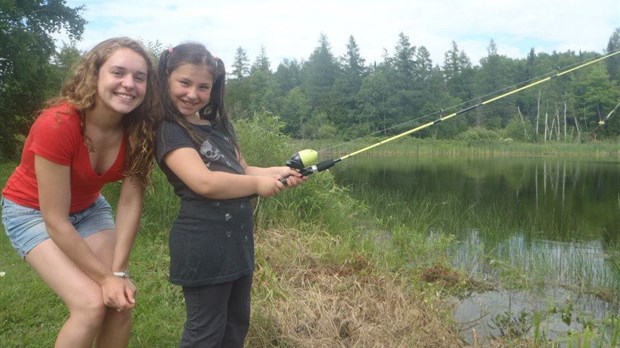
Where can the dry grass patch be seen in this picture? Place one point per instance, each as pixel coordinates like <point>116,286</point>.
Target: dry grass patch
<point>322,302</point>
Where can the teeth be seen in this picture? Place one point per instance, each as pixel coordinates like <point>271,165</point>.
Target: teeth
<point>125,96</point>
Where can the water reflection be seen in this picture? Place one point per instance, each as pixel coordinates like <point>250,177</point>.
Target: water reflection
<point>537,199</point>
<point>555,220</point>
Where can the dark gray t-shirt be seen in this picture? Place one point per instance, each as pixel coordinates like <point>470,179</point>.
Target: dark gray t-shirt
<point>211,241</point>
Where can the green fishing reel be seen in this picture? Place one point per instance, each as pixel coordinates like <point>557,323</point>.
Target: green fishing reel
<point>303,159</point>
<point>305,162</point>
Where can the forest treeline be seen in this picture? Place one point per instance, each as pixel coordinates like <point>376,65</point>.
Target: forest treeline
<point>346,97</point>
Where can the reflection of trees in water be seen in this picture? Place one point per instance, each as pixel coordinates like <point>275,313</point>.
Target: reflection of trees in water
<point>543,198</point>
<point>554,177</point>
<point>581,191</point>
<point>566,197</point>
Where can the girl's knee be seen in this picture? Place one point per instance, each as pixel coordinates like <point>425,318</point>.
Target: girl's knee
<point>90,310</point>
<point>121,318</point>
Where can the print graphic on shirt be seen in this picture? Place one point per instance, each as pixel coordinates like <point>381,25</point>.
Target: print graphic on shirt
<point>210,152</point>
<point>228,164</point>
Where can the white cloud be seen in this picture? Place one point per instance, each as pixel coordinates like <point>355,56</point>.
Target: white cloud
<point>291,29</point>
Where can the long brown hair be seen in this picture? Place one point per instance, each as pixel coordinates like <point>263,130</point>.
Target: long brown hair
<point>139,124</point>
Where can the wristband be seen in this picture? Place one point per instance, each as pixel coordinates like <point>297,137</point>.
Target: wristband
<point>122,274</point>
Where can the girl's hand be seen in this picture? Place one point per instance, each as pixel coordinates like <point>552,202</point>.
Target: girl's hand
<point>268,186</point>
<point>292,176</point>
<point>118,293</point>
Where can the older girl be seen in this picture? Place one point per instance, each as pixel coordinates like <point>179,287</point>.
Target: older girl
<point>100,130</point>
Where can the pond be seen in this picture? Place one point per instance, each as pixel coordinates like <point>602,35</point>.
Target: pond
<point>556,221</point>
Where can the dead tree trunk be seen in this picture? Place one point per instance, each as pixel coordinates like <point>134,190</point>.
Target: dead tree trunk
<point>538,111</point>
<point>565,125</point>
<point>546,123</point>
<point>557,117</point>
<point>523,122</point>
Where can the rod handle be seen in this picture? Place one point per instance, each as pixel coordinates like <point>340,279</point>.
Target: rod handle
<point>314,169</point>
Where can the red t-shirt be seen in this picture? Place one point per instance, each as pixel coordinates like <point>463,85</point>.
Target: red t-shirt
<point>57,137</point>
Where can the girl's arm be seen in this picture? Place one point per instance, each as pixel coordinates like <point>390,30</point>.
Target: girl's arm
<point>129,211</point>
<point>54,199</point>
<point>189,167</point>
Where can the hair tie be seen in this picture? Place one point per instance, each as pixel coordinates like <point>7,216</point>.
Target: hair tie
<point>170,49</point>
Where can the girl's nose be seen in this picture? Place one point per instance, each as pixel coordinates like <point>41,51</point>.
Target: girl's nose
<point>128,82</point>
<point>191,94</point>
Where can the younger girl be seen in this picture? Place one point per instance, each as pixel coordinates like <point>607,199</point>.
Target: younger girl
<point>100,130</point>
<point>211,242</point>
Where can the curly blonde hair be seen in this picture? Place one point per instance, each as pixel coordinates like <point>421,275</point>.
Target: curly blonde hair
<point>140,124</point>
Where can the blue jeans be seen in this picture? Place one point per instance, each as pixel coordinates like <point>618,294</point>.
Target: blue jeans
<point>26,229</point>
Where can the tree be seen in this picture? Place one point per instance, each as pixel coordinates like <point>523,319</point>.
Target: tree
<point>287,75</point>
<point>64,61</point>
<point>403,62</point>
<point>348,84</point>
<point>295,111</point>
<point>240,67</point>
<point>372,98</point>
<point>319,74</point>
<point>458,72</point>
<point>353,64</point>
<point>613,63</point>
<point>262,62</point>
<point>597,93</point>
<point>262,92</point>
<point>26,47</point>
<point>494,76</point>
<point>423,65</point>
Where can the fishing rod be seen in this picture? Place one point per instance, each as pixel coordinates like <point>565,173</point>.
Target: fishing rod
<point>304,160</point>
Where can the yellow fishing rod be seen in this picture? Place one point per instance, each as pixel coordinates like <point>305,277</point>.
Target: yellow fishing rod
<point>305,160</point>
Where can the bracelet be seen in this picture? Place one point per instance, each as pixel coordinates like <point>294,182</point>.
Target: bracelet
<point>122,274</point>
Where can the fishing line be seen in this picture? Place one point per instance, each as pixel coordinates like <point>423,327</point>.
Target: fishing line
<point>602,122</point>
<point>305,160</point>
<point>439,112</point>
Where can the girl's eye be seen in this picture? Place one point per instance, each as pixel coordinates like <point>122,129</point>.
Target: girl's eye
<point>140,78</point>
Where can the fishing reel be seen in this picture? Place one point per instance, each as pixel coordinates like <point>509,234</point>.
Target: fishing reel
<point>305,162</point>
<point>302,160</point>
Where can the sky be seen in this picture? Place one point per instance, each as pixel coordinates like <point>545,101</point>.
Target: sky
<point>289,29</point>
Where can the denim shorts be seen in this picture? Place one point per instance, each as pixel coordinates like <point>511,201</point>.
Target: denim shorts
<point>26,228</point>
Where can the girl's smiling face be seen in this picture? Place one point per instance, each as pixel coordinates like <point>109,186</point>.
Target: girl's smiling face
<point>122,79</point>
<point>190,88</point>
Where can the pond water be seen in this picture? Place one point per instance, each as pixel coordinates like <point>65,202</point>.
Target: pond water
<point>554,220</point>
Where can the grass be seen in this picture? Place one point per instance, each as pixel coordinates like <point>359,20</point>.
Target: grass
<point>314,287</point>
<point>329,273</point>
